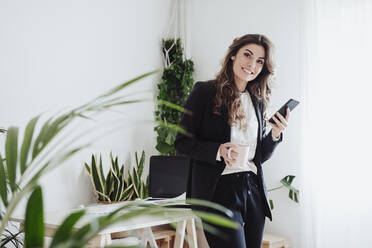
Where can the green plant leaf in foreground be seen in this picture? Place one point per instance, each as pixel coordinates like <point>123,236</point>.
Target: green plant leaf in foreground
<point>216,219</point>
<point>38,162</point>
<point>65,230</point>
<point>174,106</point>
<point>34,222</point>
<point>29,132</point>
<point>127,212</point>
<point>3,186</point>
<point>122,86</point>
<point>209,204</point>
<point>11,152</point>
<point>68,236</point>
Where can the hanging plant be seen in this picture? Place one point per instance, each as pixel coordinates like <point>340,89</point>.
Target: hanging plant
<point>176,85</point>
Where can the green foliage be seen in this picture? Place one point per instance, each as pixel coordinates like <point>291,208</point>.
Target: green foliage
<point>11,146</point>
<point>176,85</point>
<point>67,235</point>
<point>65,230</point>
<point>3,183</point>
<point>26,160</point>
<point>34,221</point>
<point>293,192</point>
<point>22,167</point>
<point>115,186</point>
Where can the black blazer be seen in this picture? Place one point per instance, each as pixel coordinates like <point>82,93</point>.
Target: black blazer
<point>208,131</point>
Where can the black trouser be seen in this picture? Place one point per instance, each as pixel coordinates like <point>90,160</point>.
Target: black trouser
<point>239,193</point>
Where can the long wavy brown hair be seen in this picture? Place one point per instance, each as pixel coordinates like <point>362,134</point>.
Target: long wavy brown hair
<point>228,94</point>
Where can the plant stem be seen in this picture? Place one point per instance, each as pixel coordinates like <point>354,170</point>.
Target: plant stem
<point>275,188</point>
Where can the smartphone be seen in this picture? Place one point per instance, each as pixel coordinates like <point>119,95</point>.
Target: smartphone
<point>291,104</point>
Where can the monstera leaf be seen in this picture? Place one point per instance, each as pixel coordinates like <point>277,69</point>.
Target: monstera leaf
<point>287,183</point>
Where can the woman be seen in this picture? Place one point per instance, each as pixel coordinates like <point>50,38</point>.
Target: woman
<point>227,112</point>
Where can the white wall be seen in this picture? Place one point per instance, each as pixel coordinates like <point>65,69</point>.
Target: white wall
<point>55,54</point>
<point>213,25</point>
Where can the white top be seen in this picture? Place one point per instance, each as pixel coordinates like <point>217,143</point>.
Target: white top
<point>54,219</point>
<point>245,136</point>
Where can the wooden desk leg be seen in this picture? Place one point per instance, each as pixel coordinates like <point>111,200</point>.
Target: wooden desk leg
<point>145,236</point>
<point>106,239</point>
<point>100,241</point>
<point>191,233</point>
<point>180,234</point>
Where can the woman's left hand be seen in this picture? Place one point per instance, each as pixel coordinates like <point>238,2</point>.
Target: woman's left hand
<point>280,123</point>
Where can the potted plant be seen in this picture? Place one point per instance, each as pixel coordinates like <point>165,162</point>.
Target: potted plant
<point>115,187</point>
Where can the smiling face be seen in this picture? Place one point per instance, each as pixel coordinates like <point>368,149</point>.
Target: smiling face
<point>248,63</point>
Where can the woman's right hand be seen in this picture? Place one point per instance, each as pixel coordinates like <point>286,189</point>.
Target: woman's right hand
<point>224,149</point>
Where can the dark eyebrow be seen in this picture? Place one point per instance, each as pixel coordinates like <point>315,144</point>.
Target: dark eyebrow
<point>252,53</point>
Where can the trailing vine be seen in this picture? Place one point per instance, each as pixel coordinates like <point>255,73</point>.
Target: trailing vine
<point>177,82</point>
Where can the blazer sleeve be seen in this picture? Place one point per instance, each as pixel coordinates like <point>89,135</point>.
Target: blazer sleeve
<point>191,144</point>
<point>268,144</point>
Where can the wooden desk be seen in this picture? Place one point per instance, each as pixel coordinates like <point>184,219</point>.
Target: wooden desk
<point>141,225</point>
<point>275,241</point>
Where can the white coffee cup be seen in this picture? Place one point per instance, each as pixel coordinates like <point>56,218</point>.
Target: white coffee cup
<point>243,153</point>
